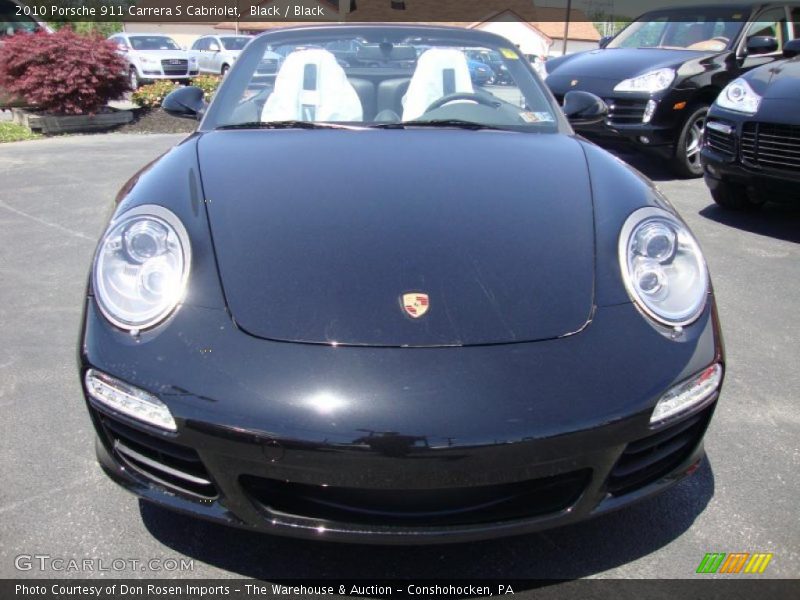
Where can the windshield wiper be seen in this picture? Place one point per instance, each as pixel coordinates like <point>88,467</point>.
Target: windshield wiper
<point>286,125</point>
<point>438,123</point>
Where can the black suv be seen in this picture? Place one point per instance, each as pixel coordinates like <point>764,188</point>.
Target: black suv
<point>751,152</point>
<point>661,73</point>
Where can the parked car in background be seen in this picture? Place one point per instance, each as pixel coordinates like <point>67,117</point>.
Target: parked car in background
<point>480,72</point>
<point>154,56</point>
<point>751,152</point>
<point>217,53</point>
<point>661,73</point>
<point>495,62</point>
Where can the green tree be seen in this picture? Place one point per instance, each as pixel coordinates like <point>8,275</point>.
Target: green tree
<point>104,28</point>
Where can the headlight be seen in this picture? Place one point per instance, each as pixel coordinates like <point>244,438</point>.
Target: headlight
<point>147,60</point>
<point>193,59</point>
<point>662,267</point>
<point>688,394</point>
<point>141,267</point>
<point>740,97</point>
<point>653,81</point>
<point>128,400</point>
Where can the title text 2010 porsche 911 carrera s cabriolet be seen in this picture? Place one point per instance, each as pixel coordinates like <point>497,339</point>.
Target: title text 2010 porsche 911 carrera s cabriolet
<point>316,317</point>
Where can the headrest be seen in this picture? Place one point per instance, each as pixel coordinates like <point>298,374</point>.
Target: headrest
<point>311,86</point>
<point>439,72</point>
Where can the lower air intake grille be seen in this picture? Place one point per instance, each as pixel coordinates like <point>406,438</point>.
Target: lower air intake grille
<point>419,507</point>
<point>772,146</point>
<point>175,66</point>
<point>161,461</point>
<point>649,459</point>
<point>721,143</point>
<point>625,112</point>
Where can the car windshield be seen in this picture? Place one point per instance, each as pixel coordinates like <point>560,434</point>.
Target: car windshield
<point>153,42</point>
<point>234,43</point>
<point>382,76</point>
<point>710,29</point>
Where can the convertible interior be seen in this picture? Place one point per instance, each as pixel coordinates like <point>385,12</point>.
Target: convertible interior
<point>313,84</point>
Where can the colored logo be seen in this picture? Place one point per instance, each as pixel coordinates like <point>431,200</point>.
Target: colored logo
<point>415,304</point>
<point>574,82</point>
<point>734,563</point>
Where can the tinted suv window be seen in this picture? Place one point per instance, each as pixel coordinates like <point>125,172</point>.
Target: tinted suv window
<point>707,29</point>
<point>773,23</point>
<point>796,21</point>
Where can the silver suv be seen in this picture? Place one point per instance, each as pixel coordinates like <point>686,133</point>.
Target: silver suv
<point>154,56</point>
<point>217,53</point>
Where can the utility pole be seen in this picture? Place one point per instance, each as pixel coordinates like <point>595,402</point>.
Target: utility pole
<point>566,27</point>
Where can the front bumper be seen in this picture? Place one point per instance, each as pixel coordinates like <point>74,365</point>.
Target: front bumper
<point>156,73</point>
<point>733,153</point>
<point>394,445</point>
<point>625,122</point>
<point>780,185</point>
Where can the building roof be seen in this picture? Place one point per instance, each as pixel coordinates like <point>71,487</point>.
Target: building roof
<point>551,23</point>
<point>510,15</point>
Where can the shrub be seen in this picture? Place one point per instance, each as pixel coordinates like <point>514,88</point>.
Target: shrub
<point>151,95</point>
<point>207,83</point>
<point>62,73</point>
<point>11,132</point>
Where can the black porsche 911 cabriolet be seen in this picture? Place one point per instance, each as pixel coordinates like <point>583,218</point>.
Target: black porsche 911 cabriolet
<point>317,317</point>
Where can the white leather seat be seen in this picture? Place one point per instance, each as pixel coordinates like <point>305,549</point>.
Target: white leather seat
<point>440,71</point>
<point>311,86</point>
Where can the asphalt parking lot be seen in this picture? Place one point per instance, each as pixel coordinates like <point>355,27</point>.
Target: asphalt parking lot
<point>55,197</point>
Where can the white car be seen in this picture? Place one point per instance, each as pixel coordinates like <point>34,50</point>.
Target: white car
<point>217,53</point>
<point>154,56</point>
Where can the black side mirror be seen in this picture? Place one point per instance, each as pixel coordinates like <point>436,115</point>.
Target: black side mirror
<point>583,108</point>
<point>186,102</point>
<point>604,41</point>
<point>791,48</point>
<point>761,44</point>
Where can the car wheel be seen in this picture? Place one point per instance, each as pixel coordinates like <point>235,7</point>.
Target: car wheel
<point>686,160</point>
<point>224,71</point>
<point>734,197</point>
<point>133,79</point>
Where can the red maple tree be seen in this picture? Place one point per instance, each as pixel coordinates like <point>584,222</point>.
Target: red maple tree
<point>63,72</point>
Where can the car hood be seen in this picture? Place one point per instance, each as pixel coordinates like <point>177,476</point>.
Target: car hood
<point>318,234</point>
<point>779,81</point>
<point>617,64</point>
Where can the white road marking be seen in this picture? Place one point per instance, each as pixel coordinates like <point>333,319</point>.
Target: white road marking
<point>16,211</point>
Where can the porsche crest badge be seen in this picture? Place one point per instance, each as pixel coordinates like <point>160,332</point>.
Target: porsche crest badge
<point>573,83</point>
<point>415,304</point>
